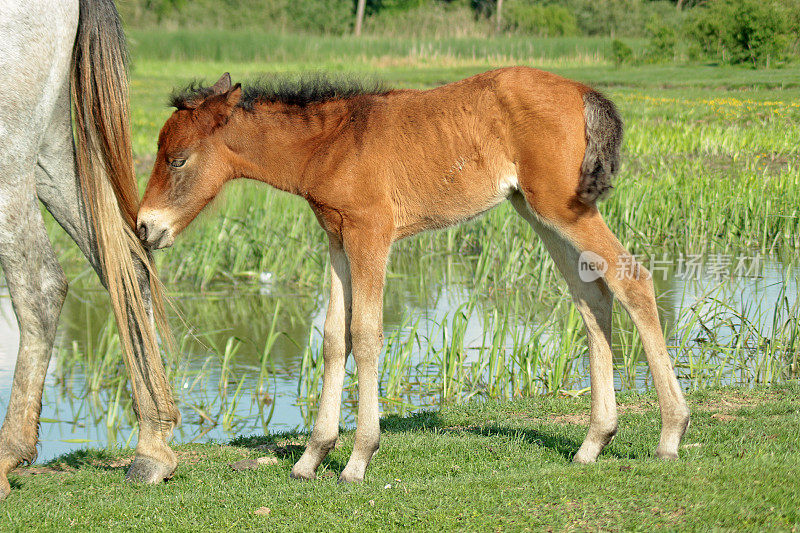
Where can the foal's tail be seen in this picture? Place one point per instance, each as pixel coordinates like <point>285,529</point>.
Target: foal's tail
<point>603,141</point>
<point>99,86</point>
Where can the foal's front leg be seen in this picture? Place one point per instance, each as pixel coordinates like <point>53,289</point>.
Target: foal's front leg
<point>368,253</point>
<point>335,347</point>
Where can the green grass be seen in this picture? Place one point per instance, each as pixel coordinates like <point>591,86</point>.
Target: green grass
<point>255,45</point>
<point>480,466</point>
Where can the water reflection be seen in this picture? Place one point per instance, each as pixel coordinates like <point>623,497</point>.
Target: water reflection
<point>251,363</point>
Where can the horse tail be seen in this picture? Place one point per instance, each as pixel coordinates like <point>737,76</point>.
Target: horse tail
<point>99,88</point>
<point>603,142</point>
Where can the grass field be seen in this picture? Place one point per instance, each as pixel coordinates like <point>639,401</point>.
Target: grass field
<point>477,467</point>
<point>347,51</point>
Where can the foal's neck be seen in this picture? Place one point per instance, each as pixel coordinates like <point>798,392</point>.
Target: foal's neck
<point>274,142</point>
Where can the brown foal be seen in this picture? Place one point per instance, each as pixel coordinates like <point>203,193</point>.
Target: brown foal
<point>376,166</point>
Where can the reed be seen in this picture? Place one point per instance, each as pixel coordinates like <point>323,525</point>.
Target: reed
<point>283,49</point>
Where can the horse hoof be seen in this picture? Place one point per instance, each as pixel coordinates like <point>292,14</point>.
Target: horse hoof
<point>666,455</point>
<point>348,478</point>
<point>147,470</point>
<point>583,459</point>
<point>301,475</point>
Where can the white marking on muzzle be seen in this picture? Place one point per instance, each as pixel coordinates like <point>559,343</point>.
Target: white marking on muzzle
<point>159,227</point>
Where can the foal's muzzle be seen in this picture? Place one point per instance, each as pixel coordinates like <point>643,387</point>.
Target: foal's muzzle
<point>152,230</point>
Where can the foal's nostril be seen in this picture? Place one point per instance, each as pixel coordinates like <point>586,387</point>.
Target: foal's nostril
<point>142,231</point>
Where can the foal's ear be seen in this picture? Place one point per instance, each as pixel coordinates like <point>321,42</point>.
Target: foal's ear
<point>234,95</point>
<point>216,110</point>
<point>223,84</point>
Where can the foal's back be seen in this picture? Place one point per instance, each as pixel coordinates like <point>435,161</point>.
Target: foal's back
<point>436,158</point>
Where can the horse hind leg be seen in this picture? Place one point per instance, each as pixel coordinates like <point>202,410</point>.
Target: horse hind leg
<point>632,285</point>
<point>38,288</point>
<point>57,187</point>
<point>585,231</point>
<point>594,302</point>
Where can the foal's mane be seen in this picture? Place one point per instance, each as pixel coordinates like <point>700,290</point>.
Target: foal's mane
<point>301,91</point>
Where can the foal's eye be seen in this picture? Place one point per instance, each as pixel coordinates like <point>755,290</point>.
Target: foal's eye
<point>177,163</point>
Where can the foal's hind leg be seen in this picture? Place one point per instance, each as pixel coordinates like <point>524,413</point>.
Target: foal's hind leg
<point>632,285</point>
<point>594,301</point>
<point>57,187</point>
<point>38,287</point>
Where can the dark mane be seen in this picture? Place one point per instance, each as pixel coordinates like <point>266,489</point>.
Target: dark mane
<point>298,91</point>
<point>181,98</point>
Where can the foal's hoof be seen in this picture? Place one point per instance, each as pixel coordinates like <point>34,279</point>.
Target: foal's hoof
<point>146,470</point>
<point>666,455</point>
<point>5,488</point>
<point>583,459</point>
<point>302,476</point>
<point>346,478</point>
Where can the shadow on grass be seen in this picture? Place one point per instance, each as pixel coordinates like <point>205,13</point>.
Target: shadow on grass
<point>100,459</point>
<point>550,436</point>
<point>71,462</point>
<point>277,445</point>
<point>431,421</point>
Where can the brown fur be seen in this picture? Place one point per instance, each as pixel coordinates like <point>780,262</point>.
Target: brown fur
<point>377,167</point>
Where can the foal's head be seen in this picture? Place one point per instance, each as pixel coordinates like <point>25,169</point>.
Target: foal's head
<point>192,162</point>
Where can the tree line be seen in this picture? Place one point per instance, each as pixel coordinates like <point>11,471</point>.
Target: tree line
<point>753,32</point>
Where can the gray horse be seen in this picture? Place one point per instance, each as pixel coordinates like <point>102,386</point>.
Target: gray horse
<point>54,55</point>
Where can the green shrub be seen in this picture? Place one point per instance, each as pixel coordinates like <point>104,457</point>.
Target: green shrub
<point>525,16</point>
<point>752,32</point>
<point>230,14</point>
<point>622,52</point>
<point>617,18</point>
<point>320,16</point>
<point>626,18</point>
<point>377,6</point>
<point>663,43</point>
<point>433,19</point>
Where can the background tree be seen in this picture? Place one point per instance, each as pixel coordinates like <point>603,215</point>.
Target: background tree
<point>499,15</point>
<point>360,15</point>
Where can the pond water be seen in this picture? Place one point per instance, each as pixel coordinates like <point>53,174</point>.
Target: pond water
<point>729,327</point>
